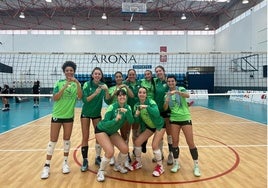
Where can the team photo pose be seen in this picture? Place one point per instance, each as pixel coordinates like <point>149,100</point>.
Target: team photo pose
<point>152,124</point>
<point>107,134</point>
<point>65,94</point>
<point>94,91</point>
<point>133,84</point>
<point>180,119</point>
<point>119,84</point>
<point>160,90</point>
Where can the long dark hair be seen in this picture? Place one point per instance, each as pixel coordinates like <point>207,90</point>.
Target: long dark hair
<point>99,69</point>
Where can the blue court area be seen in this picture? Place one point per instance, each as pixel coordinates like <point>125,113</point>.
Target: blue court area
<point>22,113</point>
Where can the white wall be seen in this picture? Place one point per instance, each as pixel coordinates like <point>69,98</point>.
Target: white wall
<point>105,43</point>
<point>249,34</point>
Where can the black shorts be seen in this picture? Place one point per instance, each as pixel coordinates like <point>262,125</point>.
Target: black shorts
<point>181,123</point>
<point>89,117</point>
<point>97,130</point>
<point>165,114</point>
<point>154,129</point>
<point>61,120</point>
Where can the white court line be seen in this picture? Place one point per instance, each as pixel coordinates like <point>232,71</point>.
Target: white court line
<point>93,148</point>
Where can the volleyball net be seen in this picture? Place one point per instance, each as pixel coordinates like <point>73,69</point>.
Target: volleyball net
<point>203,74</point>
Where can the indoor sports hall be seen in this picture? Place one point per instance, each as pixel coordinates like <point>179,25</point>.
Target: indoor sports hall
<point>223,68</point>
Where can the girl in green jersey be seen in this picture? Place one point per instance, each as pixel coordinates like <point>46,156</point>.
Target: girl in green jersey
<point>160,90</point>
<point>107,134</point>
<point>180,119</point>
<point>152,124</point>
<point>94,91</point>
<point>65,94</point>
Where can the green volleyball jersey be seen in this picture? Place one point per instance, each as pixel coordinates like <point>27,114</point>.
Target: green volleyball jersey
<point>64,107</point>
<point>109,124</point>
<point>149,116</point>
<point>134,86</point>
<point>92,108</point>
<point>150,88</point>
<point>161,88</point>
<point>112,91</point>
<point>146,118</point>
<point>179,111</point>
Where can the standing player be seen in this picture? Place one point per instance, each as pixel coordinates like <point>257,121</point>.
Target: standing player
<point>180,119</point>
<point>65,94</point>
<point>5,101</point>
<point>36,90</point>
<point>160,90</point>
<point>94,91</point>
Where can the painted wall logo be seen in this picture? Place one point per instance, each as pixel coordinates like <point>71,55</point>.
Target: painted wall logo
<point>114,59</point>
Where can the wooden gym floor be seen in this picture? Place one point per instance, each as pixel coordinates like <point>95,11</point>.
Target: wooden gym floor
<point>232,153</point>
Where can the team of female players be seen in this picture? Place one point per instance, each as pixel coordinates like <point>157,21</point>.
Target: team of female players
<point>146,108</point>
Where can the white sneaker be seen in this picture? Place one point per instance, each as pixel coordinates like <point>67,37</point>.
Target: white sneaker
<point>128,166</point>
<point>100,176</point>
<point>175,167</point>
<point>158,170</point>
<point>112,161</point>
<point>65,168</point>
<point>45,172</point>
<point>121,169</point>
<point>197,172</point>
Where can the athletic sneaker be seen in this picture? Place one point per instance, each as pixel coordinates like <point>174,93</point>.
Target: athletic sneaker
<point>170,159</point>
<point>197,172</point>
<point>65,168</point>
<point>128,166</point>
<point>112,161</point>
<point>101,176</point>
<point>98,160</point>
<point>119,168</point>
<point>45,172</point>
<point>84,166</point>
<point>175,168</point>
<point>5,109</point>
<point>136,165</point>
<point>158,170</point>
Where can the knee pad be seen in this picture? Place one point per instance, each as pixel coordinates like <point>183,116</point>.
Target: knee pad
<point>66,146</point>
<point>176,152</point>
<point>194,153</point>
<point>51,147</point>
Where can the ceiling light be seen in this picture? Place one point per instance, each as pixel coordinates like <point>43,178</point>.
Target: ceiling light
<point>104,17</point>
<point>22,15</point>
<point>183,17</point>
<point>141,28</point>
<point>49,1</point>
<point>73,27</point>
<point>206,28</point>
<point>245,2</point>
